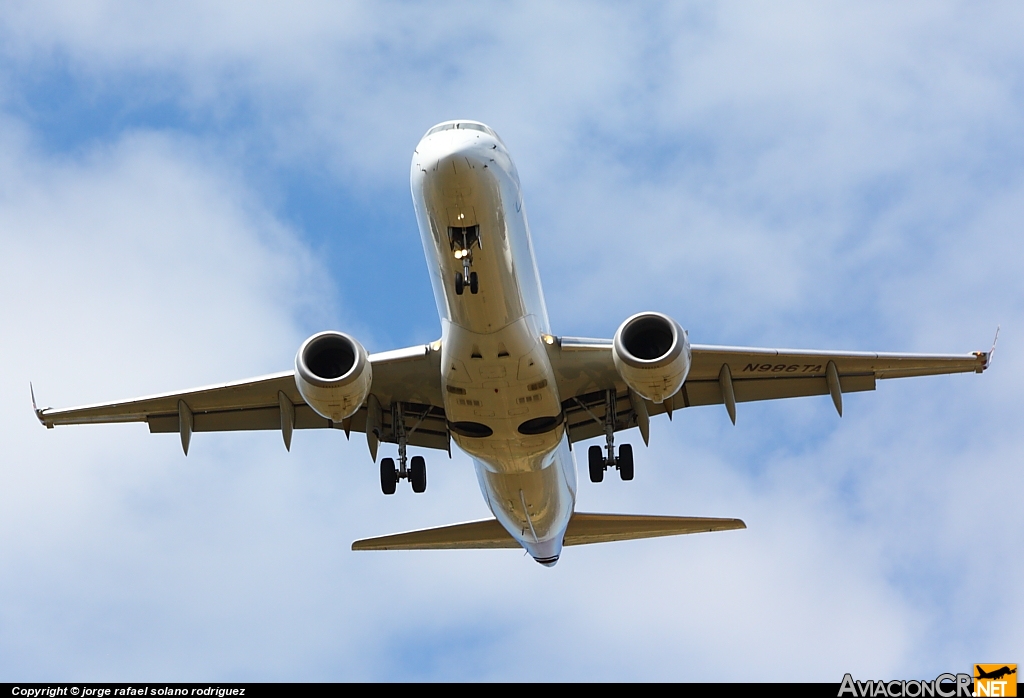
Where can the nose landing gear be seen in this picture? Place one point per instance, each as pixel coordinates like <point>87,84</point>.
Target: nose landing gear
<point>599,462</point>
<point>461,283</point>
<point>462,240</point>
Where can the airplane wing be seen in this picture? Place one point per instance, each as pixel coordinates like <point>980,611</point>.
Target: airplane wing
<point>584,369</point>
<point>410,377</point>
<point>728,375</point>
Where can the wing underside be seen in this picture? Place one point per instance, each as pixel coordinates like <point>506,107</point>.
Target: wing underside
<point>410,377</point>
<point>586,373</point>
<point>407,385</point>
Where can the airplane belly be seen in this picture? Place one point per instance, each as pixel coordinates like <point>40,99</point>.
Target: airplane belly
<point>464,205</point>
<point>501,397</point>
<point>472,222</point>
<point>534,506</point>
<point>500,394</point>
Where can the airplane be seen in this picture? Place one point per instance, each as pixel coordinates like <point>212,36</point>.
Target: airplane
<point>996,674</point>
<point>499,383</point>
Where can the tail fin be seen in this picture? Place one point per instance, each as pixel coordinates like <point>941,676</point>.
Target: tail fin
<point>583,529</point>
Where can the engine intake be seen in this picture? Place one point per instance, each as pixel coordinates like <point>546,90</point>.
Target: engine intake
<point>333,374</point>
<point>652,354</point>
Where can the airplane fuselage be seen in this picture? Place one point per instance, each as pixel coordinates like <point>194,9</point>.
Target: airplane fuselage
<point>500,393</point>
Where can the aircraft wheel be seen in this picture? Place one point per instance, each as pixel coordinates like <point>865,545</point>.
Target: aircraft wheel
<point>474,285</point>
<point>460,283</point>
<point>596,459</point>
<point>626,462</point>
<point>418,471</point>
<point>388,475</point>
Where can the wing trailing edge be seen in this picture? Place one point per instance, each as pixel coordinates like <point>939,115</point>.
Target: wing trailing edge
<point>583,529</point>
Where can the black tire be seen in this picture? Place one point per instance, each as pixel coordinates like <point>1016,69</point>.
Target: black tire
<point>460,283</point>
<point>418,471</point>
<point>388,476</point>
<point>596,459</point>
<point>474,285</point>
<point>626,462</point>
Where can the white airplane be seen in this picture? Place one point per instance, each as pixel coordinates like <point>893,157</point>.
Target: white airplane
<point>499,382</point>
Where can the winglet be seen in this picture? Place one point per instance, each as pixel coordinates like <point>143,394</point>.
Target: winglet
<point>992,351</point>
<point>987,357</point>
<point>39,412</point>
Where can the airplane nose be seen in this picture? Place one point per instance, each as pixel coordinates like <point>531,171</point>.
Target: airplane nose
<point>461,156</point>
<point>456,150</point>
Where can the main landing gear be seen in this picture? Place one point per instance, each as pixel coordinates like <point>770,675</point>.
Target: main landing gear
<point>415,472</point>
<point>599,462</point>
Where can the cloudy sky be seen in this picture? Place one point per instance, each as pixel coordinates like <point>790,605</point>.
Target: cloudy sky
<point>188,192</point>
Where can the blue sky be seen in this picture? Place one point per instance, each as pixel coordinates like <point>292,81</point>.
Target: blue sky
<point>187,193</point>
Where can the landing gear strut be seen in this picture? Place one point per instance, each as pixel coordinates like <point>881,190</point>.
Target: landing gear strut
<point>416,472</point>
<point>466,277</point>
<point>599,462</point>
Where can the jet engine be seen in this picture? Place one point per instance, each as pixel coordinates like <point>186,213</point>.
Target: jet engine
<point>652,354</point>
<point>333,374</point>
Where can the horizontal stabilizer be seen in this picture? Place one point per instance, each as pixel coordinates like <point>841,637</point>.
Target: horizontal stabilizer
<point>604,528</point>
<point>583,529</point>
<point>472,534</point>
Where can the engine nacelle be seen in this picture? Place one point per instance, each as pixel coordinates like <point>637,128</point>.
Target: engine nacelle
<point>333,374</point>
<point>652,354</point>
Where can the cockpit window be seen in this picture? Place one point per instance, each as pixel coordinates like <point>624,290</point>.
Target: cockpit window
<point>463,125</point>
